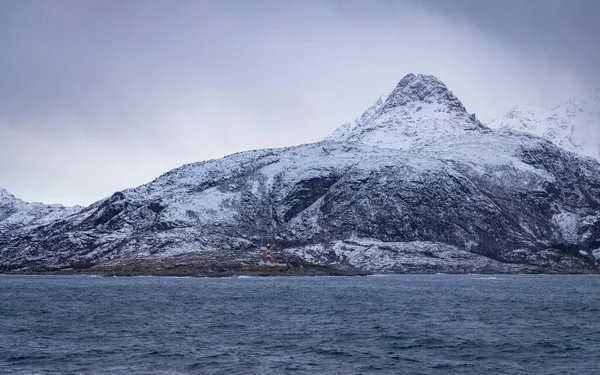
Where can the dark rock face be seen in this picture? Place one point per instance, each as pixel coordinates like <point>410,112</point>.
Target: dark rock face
<point>422,88</point>
<point>304,194</point>
<point>482,201</point>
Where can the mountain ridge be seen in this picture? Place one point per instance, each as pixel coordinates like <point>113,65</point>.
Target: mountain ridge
<point>456,196</point>
<point>574,125</point>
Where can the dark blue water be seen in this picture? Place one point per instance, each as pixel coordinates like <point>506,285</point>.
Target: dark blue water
<point>437,324</point>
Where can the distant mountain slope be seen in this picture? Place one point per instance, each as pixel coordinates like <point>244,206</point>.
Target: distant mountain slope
<point>574,125</point>
<point>417,184</point>
<point>17,218</point>
<point>16,214</point>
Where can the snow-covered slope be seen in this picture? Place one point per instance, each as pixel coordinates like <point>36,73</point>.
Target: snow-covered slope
<point>574,125</point>
<point>341,133</point>
<point>17,215</point>
<point>416,184</point>
<point>419,109</point>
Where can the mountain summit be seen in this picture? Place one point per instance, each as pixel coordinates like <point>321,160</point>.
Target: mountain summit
<point>422,88</point>
<point>420,109</point>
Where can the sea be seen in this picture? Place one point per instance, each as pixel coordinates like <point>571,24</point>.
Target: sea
<point>397,324</point>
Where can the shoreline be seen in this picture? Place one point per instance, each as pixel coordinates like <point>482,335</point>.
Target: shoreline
<point>267,271</point>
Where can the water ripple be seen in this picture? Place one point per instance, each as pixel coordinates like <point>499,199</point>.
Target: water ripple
<point>414,324</point>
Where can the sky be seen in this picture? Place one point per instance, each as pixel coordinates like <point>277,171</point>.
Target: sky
<point>100,96</point>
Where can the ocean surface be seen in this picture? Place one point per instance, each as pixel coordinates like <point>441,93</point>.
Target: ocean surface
<point>406,324</point>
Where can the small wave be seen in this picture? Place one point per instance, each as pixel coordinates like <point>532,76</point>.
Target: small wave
<point>589,309</point>
<point>157,353</point>
<point>21,358</point>
<point>195,365</point>
<point>333,352</point>
<point>403,358</point>
<point>450,365</point>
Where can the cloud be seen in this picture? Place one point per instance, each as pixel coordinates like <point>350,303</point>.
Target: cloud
<point>102,95</point>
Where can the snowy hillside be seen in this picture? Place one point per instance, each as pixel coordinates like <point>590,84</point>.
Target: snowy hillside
<point>416,184</point>
<point>574,125</point>
<point>16,215</point>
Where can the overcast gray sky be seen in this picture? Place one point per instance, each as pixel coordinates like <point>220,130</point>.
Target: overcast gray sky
<point>98,96</point>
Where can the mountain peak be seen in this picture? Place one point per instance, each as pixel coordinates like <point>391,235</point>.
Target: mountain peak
<point>419,109</point>
<point>8,197</point>
<point>422,88</point>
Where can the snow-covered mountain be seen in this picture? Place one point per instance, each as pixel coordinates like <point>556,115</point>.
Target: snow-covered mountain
<point>574,125</point>
<point>418,110</point>
<point>17,215</point>
<point>415,184</point>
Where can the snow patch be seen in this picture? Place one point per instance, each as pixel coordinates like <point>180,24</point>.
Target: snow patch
<point>568,224</point>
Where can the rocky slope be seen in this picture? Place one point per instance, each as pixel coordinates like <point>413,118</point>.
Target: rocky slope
<point>416,184</point>
<point>574,125</point>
